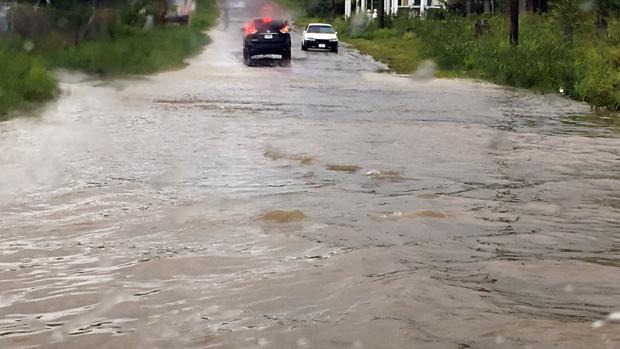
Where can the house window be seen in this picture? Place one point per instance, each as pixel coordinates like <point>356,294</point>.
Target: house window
<point>403,3</point>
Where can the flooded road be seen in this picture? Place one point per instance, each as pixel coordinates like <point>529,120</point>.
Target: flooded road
<point>321,205</point>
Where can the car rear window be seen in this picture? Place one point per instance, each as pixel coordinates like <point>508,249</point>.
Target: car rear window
<point>268,27</point>
<point>323,29</point>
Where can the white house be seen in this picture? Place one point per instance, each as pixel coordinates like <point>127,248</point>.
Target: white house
<point>392,7</point>
<point>417,7</point>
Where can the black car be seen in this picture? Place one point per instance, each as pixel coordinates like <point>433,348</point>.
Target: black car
<point>266,36</point>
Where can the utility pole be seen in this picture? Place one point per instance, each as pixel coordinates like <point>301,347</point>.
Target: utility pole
<point>381,13</point>
<point>513,13</point>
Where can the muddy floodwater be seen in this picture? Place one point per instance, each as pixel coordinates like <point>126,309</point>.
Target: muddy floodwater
<point>328,204</point>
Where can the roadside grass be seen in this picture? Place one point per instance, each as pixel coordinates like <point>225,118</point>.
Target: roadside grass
<point>139,53</point>
<point>205,15</point>
<point>587,68</point>
<point>25,65</point>
<point>132,50</point>
<point>24,78</point>
<point>300,12</point>
<point>402,54</point>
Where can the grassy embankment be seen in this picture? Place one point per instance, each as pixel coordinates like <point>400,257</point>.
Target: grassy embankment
<point>23,78</point>
<point>126,49</point>
<point>586,68</point>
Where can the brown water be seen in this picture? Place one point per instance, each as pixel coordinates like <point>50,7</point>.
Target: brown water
<point>322,205</point>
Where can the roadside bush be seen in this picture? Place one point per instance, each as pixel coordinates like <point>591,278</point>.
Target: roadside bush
<point>446,41</point>
<point>121,45</point>
<point>587,68</point>
<point>138,53</point>
<point>314,8</point>
<point>129,48</point>
<point>375,33</point>
<point>205,14</point>
<point>24,78</point>
<point>598,80</point>
<point>613,33</point>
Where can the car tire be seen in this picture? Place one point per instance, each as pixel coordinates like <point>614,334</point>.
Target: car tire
<point>286,59</point>
<point>335,49</point>
<point>287,54</point>
<point>304,47</point>
<point>247,60</point>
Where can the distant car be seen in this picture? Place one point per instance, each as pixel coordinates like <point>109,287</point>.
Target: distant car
<point>266,36</point>
<point>319,35</point>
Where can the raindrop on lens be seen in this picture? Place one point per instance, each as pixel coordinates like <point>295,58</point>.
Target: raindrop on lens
<point>586,6</point>
<point>28,46</point>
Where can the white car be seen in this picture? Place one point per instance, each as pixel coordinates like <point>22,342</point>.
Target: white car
<point>319,35</point>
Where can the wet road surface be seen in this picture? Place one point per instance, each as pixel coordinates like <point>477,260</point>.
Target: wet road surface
<point>321,205</point>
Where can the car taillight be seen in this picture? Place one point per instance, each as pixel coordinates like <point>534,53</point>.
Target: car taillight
<point>267,20</point>
<point>284,29</point>
<point>250,29</point>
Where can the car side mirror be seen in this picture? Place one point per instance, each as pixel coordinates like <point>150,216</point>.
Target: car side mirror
<point>336,33</point>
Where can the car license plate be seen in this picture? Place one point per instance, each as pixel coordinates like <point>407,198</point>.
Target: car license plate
<point>268,36</point>
<point>321,45</point>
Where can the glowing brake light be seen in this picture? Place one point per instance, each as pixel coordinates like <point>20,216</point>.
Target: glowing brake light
<point>284,29</point>
<point>250,29</point>
<point>267,20</point>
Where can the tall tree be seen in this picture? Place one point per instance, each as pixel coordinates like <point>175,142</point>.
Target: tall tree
<point>381,13</point>
<point>513,12</point>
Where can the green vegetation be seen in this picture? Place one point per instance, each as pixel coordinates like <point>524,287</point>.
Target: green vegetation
<point>24,79</point>
<point>586,68</point>
<point>302,8</point>
<point>316,8</point>
<point>129,49</point>
<point>125,45</point>
<point>584,65</point>
<point>402,52</point>
<point>138,53</point>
